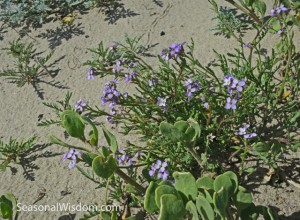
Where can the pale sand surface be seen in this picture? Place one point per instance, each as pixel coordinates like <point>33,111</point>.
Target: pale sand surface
<point>20,107</point>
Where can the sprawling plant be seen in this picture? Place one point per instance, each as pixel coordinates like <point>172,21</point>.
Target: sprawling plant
<point>13,151</point>
<point>29,68</point>
<point>193,119</point>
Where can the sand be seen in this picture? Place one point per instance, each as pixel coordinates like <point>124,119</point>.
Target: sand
<point>20,107</point>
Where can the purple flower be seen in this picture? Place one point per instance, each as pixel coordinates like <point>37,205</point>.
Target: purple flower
<point>275,12</point>
<point>90,73</point>
<point>281,8</point>
<point>227,80</point>
<point>188,81</point>
<point>250,135</point>
<point>117,68</point>
<point>281,32</point>
<point>161,101</point>
<point>233,83</point>
<point>240,85</point>
<point>124,158</point>
<point>248,45</point>
<point>128,77</point>
<point>165,55</point>
<point>243,132</point>
<point>206,105</point>
<point>73,155</point>
<point>159,168</point>
<point>176,50</point>
<point>80,105</point>
<point>110,94</point>
<point>192,87</point>
<point>110,120</point>
<point>231,103</point>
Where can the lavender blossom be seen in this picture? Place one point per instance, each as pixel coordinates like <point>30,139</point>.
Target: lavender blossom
<point>159,168</point>
<point>80,105</point>
<point>90,73</point>
<point>231,103</point>
<point>110,119</point>
<point>126,159</point>
<point>161,101</point>
<point>117,68</point>
<point>276,12</point>
<point>249,45</point>
<point>243,132</point>
<point>110,94</point>
<point>192,87</point>
<point>73,155</point>
<point>206,105</point>
<point>176,50</point>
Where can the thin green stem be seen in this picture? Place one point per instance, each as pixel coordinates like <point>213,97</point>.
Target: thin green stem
<point>131,181</point>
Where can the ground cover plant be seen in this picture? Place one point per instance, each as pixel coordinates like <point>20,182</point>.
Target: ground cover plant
<point>16,12</point>
<point>197,122</point>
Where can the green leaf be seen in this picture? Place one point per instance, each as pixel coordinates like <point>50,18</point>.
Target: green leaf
<point>149,202</point>
<point>294,117</point>
<point>162,190</point>
<point>234,180</point>
<point>181,126</point>
<point>111,139</point>
<point>6,207</point>
<point>276,25</point>
<point>249,3</point>
<point>104,167</point>
<point>88,157</point>
<point>170,132</point>
<point>242,199</point>
<point>73,123</point>
<point>205,182</point>
<point>204,208</point>
<point>191,208</point>
<point>186,184</point>
<point>261,7</point>
<point>221,199</point>
<point>261,147</point>
<point>172,208</point>
<point>223,181</point>
<point>94,133</point>
<point>194,124</point>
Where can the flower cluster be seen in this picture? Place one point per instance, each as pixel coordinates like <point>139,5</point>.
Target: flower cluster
<point>110,94</point>
<point>124,158</point>
<point>276,12</point>
<point>234,87</point>
<point>129,76</point>
<point>243,132</point>
<point>118,66</point>
<point>191,87</point>
<point>90,73</point>
<point>80,105</point>
<point>159,168</point>
<point>176,50</point>
<point>73,155</point>
<point>162,102</point>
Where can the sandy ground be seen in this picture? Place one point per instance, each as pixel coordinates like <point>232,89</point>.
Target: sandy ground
<point>20,107</point>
